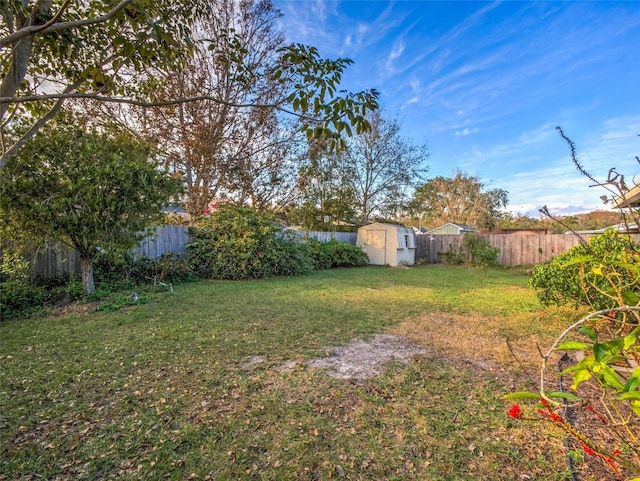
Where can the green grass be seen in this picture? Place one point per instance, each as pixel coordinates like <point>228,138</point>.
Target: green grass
<point>165,390</point>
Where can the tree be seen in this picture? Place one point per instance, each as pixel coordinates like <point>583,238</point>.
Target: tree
<point>54,50</point>
<point>89,190</point>
<point>324,192</point>
<point>462,199</point>
<point>223,150</point>
<point>381,165</point>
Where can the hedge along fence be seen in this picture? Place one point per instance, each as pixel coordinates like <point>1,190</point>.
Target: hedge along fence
<point>57,259</point>
<point>515,249</point>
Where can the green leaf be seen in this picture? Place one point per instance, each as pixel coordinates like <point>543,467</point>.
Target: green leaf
<point>572,346</point>
<point>630,298</point>
<point>129,48</point>
<point>629,396</point>
<point>631,338</point>
<point>589,331</point>
<point>522,395</point>
<point>564,395</point>
<point>610,377</point>
<point>579,377</point>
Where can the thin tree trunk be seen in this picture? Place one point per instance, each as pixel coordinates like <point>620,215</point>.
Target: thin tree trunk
<point>86,266</point>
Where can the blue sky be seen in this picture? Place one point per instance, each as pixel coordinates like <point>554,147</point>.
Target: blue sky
<point>484,84</point>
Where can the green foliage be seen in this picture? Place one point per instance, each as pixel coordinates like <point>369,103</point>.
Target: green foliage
<point>452,257</point>
<point>89,190</point>
<point>463,199</point>
<point>124,270</point>
<point>317,81</point>
<point>241,243</point>
<point>480,250</point>
<point>17,293</point>
<point>118,301</point>
<point>20,295</point>
<point>326,255</point>
<point>591,274</point>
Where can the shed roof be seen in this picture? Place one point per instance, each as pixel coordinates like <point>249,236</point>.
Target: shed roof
<point>631,198</point>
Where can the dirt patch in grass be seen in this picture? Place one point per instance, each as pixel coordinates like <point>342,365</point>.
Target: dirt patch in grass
<point>460,341</point>
<point>73,308</point>
<point>364,359</point>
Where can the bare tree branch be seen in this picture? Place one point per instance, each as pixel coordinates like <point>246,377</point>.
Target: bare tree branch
<point>53,26</point>
<point>136,102</point>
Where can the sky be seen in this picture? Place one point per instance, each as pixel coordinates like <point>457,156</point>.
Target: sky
<point>485,84</point>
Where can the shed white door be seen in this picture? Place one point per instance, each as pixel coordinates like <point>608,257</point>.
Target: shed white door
<point>377,247</point>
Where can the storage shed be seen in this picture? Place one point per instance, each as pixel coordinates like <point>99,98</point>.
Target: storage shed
<point>387,244</point>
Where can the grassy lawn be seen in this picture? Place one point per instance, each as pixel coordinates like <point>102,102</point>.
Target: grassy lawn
<point>193,386</point>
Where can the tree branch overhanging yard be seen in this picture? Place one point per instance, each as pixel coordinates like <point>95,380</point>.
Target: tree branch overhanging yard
<point>218,382</point>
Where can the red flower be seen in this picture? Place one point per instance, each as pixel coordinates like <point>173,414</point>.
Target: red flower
<point>514,411</point>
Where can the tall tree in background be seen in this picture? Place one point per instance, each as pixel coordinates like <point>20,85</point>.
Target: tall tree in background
<point>325,198</point>
<point>54,50</point>
<point>89,190</point>
<point>462,199</point>
<point>381,165</point>
<point>223,149</point>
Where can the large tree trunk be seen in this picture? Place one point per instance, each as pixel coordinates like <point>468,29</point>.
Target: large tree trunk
<point>86,265</point>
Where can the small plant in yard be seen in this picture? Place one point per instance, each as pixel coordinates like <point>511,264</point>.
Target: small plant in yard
<point>480,250</point>
<point>605,346</point>
<point>453,257</point>
<point>602,349</point>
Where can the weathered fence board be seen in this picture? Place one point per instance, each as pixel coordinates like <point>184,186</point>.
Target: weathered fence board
<point>167,238</point>
<point>515,249</point>
<point>58,260</point>
<point>349,237</point>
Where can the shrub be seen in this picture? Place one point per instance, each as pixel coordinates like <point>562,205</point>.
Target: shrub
<point>18,295</point>
<point>343,254</point>
<point>318,254</point>
<point>452,257</point>
<point>241,243</point>
<point>123,270</point>
<point>579,276</point>
<point>334,253</point>
<point>480,250</point>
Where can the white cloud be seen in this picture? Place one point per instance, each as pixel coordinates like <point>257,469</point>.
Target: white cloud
<point>465,132</point>
<point>396,52</point>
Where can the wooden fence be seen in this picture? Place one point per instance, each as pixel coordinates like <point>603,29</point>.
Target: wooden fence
<point>58,260</point>
<point>349,237</point>
<point>515,249</point>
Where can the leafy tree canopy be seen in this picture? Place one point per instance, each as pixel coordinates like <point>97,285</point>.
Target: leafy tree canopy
<point>462,199</point>
<point>54,50</point>
<point>89,190</point>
